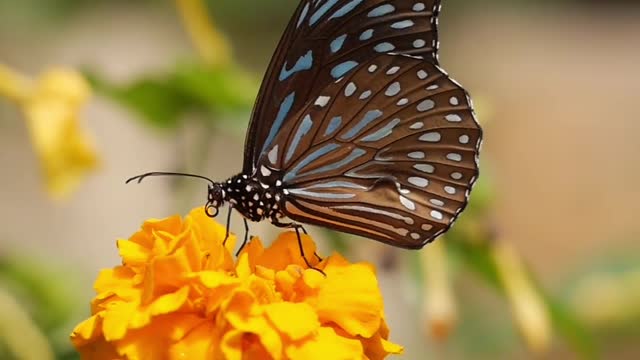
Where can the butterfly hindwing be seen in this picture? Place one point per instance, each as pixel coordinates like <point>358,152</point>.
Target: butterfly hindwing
<point>326,40</point>
<point>388,152</point>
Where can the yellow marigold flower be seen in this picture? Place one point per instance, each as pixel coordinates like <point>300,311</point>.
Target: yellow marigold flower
<point>51,105</point>
<point>180,294</point>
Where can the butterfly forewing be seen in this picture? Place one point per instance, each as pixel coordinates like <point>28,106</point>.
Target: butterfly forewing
<point>389,152</point>
<point>329,39</point>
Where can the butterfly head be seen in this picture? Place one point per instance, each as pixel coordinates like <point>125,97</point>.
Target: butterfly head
<point>216,197</point>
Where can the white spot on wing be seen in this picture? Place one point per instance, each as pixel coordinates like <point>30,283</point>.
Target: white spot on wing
<point>273,155</point>
<point>393,89</point>
<point>436,215</point>
<point>453,118</point>
<point>350,89</point>
<point>426,105</point>
<point>418,181</point>
<point>425,168</point>
<point>393,70</point>
<point>407,203</point>
<point>433,136</point>
<point>436,202</point>
<point>322,101</point>
<point>416,155</point>
<point>417,126</point>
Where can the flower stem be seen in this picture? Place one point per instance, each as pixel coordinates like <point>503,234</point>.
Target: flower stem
<point>527,304</point>
<point>212,46</point>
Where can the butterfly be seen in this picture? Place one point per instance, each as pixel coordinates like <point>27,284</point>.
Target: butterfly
<point>357,128</point>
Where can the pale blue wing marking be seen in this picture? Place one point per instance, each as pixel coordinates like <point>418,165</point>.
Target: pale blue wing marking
<point>334,124</point>
<point>305,62</point>
<point>335,184</point>
<point>366,35</point>
<point>381,11</point>
<point>337,43</point>
<point>309,159</point>
<point>303,15</point>
<point>304,128</point>
<point>355,153</point>
<point>285,107</point>
<point>339,70</point>
<point>369,117</point>
<point>384,47</point>
<point>321,195</point>
<point>382,133</point>
<point>346,9</point>
<point>322,11</point>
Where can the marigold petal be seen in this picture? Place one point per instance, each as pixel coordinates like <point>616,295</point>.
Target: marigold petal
<point>169,303</point>
<point>117,280</point>
<point>350,297</point>
<point>327,344</point>
<point>296,320</point>
<point>200,343</point>
<point>285,251</point>
<point>243,314</point>
<point>116,320</point>
<point>87,331</point>
<point>378,347</point>
<point>149,342</point>
<point>239,345</point>
<point>243,268</point>
<point>99,350</point>
<point>146,235</point>
<point>133,253</point>
<point>254,250</point>
<point>209,232</point>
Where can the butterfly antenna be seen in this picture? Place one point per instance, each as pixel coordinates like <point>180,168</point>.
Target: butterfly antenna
<point>139,178</point>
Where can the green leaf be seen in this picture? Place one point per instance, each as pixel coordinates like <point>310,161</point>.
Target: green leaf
<point>163,99</point>
<point>227,89</point>
<point>152,98</point>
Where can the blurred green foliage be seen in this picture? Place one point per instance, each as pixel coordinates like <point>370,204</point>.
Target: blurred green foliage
<point>51,296</point>
<point>162,99</point>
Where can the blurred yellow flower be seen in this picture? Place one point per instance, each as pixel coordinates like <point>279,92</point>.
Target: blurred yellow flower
<point>180,295</point>
<point>212,45</point>
<point>51,105</point>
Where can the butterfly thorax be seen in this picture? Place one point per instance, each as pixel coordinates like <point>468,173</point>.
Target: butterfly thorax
<point>254,200</point>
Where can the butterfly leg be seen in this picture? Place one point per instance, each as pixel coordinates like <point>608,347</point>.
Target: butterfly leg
<point>306,233</point>
<point>297,228</point>
<point>246,236</point>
